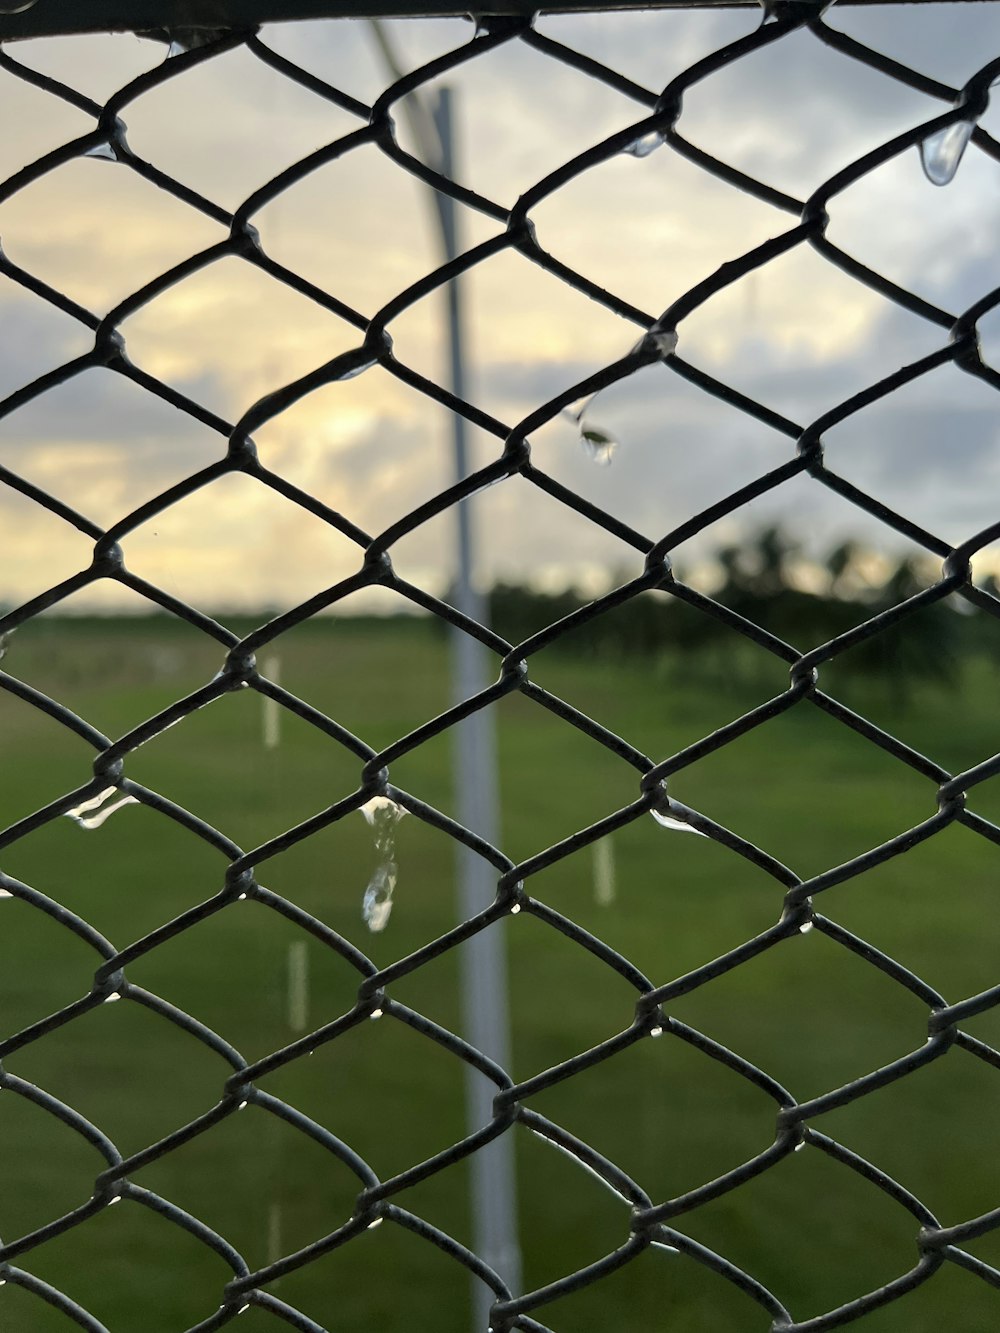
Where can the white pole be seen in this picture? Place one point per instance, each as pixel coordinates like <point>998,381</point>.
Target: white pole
<point>483,963</point>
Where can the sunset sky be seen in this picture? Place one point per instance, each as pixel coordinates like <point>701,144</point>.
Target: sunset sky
<point>799,335</point>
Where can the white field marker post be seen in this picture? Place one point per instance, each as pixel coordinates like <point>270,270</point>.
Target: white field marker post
<point>298,985</point>
<point>604,872</point>
<point>271,709</point>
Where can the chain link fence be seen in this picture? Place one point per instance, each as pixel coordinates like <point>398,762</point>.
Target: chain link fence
<point>648,1222</point>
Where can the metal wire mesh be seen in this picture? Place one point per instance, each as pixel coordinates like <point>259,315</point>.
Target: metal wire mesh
<point>647,1221</point>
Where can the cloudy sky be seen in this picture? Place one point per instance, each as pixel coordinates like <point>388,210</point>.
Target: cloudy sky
<point>799,335</point>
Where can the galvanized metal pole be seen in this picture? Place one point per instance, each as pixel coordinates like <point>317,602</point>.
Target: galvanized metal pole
<point>483,963</point>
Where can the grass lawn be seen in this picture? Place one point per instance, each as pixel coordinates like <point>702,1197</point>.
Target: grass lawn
<point>812,1014</point>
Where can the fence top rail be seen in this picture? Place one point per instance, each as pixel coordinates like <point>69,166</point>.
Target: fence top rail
<point>44,18</point>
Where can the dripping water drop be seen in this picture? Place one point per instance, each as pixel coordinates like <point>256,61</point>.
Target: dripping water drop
<point>656,1032</point>
<point>515,909</point>
<point>242,1106</point>
<point>799,1146</point>
<point>377,905</point>
<point>382,814</point>
<point>375,1013</point>
<point>112,998</point>
<point>598,444</point>
<point>377,1223</point>
<point>941,153</point>
<point>806,927</point>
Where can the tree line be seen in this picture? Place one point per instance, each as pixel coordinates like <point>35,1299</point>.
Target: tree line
<point>761,582</point>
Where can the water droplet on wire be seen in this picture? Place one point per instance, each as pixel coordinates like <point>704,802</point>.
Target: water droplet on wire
<point>941,153</point>
<point>806,927</point>
<point>383,814</point>
<point>104,152</point>
<point>92,814</point>
<point>668,821</point>
<point>359,369</point>
<point>644,144</point>
<point>664,340</point>
<point>183,40</point>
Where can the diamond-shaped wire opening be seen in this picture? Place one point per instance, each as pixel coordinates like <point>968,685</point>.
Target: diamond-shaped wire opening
<point>361,202</point>
<point>666,1113</point>
<point>36,338</point>
<point>270,791</point>
<point>780,1205</point>
<point>44,122</point>
<point>948,1103</point>
<point>227,533</point>
<point>227,126</point>
<point>137,871</point>
<point>48,1167</point>
<point>287,982</point>
<point>349,1283</point>
<point>92,1058</point>
<point>95,64</point>
<point>104,445</point>
<point>934,910</point>
<point>540,310</point>
<point>810,1012</point>
<point>536,132</point>
<point>325,445</point>
<point>412,1103</point>
<point>646,249</point>
<point>82,248</point>
<point>345,53</point>
<point>656,1282</point>
<point>705,899</point>
<point>132,1269</point>
<point>47,965</point>
<point>569,1217</point>
<point>229,334</point>
<point>739,113</point>
<point>50,549</point>
<point>292,1190</point>
<point>868,796</point>
<point>933,489</point>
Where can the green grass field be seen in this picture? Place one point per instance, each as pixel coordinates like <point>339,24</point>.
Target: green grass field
<point>808,790</point>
